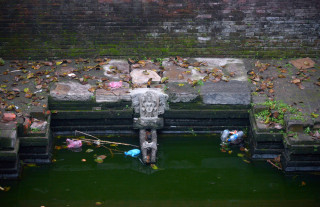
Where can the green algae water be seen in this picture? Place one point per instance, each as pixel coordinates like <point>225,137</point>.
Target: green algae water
<point>192,171</point>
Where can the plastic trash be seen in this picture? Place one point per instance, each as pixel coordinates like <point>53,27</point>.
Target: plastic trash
<point>115,84</point>
<point>225,135</point>
<point>236,138</point>
<point>72,144</point>
<point>133,152</point>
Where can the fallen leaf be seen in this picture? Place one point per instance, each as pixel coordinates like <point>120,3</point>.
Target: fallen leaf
<point>30,75</point>
<point>247,161</point>
<point>102,157</point>
<point>89,150</point>
<point>98,203</point>
<point>92,89</point>
<point>180,84</point>
<point>240,155</point>
<point>154,167</point>
<point>98,160</point>
<point>278,126</point>
<point>301,86</point>
<point>303,183</point>
<point>295,81</point>
<point>281,76</point>
<point>314,115</point>
<point>59,63</point>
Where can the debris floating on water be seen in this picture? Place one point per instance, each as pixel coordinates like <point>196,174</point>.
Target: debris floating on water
<point>132,153</point>
<point>72,144</point>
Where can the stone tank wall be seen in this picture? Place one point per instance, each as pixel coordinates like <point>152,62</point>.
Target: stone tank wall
<point>87,28</point>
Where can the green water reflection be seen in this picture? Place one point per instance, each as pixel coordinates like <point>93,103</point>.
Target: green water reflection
<point>192,172</point>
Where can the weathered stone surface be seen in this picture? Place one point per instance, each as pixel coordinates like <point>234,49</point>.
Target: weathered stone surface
<point>8,138</point>
<point>116,95</point>
<point>148,123</point>
<point>71,91</point>
<point>65,70</point>
<point>178,74</point>
<point>228,65</point>
<point>39,125</point>
<point>142,76</point>
<point>185,93</point>
<point>115,68</point>
<point>137,93</point>
<point>233,92</point>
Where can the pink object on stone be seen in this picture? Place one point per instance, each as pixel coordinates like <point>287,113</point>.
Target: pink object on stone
<point>115,84</point>
<point>74,143</point>
<point>8,117</point>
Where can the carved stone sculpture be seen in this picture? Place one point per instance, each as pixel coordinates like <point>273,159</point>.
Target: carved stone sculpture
<point>149,105</point>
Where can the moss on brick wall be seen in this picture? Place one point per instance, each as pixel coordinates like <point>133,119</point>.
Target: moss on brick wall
<point>81,28</point>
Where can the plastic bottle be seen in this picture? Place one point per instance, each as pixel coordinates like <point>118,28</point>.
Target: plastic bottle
<point>133,152</point>
<point>225,135</point>
<point>235,137</point>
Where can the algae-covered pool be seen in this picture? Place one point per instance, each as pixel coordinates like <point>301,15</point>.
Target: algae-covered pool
<point>192,171</point>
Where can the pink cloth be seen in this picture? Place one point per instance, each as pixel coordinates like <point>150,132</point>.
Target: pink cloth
<point>74,143</point>
<point>115,84</point>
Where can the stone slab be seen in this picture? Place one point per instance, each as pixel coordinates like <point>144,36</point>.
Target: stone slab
<point>115,69</point>
<point>144,123</point>
<point>116,95</point>
<point>181,75</point>
<point>142,76</point>
<point>71,91</point>
<point>184,94</point>
<point>228,65</point>
<point>229,93</point>
<point>8,139</point>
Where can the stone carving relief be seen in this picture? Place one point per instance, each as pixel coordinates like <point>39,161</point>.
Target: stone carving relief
<point>149,94</point>
<point>149,103</point>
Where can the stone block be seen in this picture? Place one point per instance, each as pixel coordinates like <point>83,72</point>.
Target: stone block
<point>115,68</point>
<point>229,93</point>
<point>227,65</point>
<point>148,123</point>
<point>71,91</point>
<point>116,95</point>
<point>184,94</point>
<point>8,138</point>
<point>142,76</point>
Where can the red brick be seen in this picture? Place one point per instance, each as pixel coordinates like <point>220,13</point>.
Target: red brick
<point>9,117</point>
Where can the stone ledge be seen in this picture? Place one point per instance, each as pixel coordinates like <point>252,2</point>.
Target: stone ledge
<point>71,91</point>
<point>230,93</point>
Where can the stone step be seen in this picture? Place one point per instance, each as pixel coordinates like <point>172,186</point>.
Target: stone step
<point>10,154</point>
<point>106,114</point>
<point>12,172</point>
<point>205,122</point>
<point>8,138</point>
<point>267,150</point>
<point>263,134</point>
<point>199,113</point>
<point>294,166</point>
<point>301,143</point>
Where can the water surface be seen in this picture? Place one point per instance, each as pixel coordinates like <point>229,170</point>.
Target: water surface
<point>192,172</point>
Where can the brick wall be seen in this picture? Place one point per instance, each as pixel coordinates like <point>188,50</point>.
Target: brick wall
<point>86,28</point>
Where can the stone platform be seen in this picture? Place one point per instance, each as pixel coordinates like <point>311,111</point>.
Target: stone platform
<point>202,95</point>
